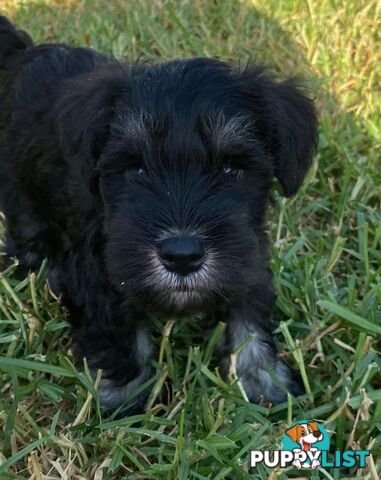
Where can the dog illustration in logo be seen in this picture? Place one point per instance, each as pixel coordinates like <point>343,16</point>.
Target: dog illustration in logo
<point>305,434</point>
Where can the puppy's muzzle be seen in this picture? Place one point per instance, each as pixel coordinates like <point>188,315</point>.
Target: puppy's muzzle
<point>181,254</point>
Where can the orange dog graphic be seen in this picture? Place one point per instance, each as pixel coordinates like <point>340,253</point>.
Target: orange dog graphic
<point>305,434</point>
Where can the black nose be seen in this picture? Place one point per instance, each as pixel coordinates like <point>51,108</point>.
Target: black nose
<point>316,434</point>
<point>182,255</point>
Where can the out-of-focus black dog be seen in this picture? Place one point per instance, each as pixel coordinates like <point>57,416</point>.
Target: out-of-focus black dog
<point>146,189</point>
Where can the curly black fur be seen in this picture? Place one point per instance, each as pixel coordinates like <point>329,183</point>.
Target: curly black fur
<point>102,162</point>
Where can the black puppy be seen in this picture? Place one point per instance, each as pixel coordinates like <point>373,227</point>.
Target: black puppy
<point>146,189</point>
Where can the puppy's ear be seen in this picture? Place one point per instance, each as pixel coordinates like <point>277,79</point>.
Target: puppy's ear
<point>285,119</point>
<point>313,425</point>
<point>84,111</point>
<point>294,433</point>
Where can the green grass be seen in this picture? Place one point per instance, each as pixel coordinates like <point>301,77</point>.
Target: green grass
<point>327,265</point>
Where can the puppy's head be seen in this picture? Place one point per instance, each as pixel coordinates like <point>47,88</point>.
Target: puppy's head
<point>186,152</point>
<point>305,434</point>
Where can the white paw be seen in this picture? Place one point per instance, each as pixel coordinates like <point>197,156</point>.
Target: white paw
<point>315,464</point>
<point>112,396</point>
<point>297,464</point>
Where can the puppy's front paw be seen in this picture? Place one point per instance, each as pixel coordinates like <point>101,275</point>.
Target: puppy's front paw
<point>271,385</point>
<point>253,355</point>
<point>124,362</point>
<point>315,464</point>
<point>112,395</point>
<point>297,463</point>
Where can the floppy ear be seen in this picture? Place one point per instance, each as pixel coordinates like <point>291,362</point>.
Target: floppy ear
<point>285,118</point>
<point>293,432</point>
<point>82,116</point>
<point>313,425</point>
<point>84,111</point>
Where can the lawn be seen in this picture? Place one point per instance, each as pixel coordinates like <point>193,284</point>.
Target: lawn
<point>327,265</point>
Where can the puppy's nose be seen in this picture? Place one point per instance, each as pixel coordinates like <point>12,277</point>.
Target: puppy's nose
<point>316,434</point>
<point>181,254</point>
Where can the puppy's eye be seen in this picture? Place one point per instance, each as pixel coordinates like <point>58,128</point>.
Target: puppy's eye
<point>232,171</point>
<point>134,171</point>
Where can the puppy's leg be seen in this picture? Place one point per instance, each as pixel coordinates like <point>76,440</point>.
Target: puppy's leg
<point>108,331</point>
<point>21,242</point>
<point>122,351</point>
<point>264,376</point>
<point>28,237</point>
<point>118,388</point>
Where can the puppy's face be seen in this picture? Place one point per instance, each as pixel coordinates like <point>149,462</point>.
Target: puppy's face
<point>186,197</point>
<point>191,150</point>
